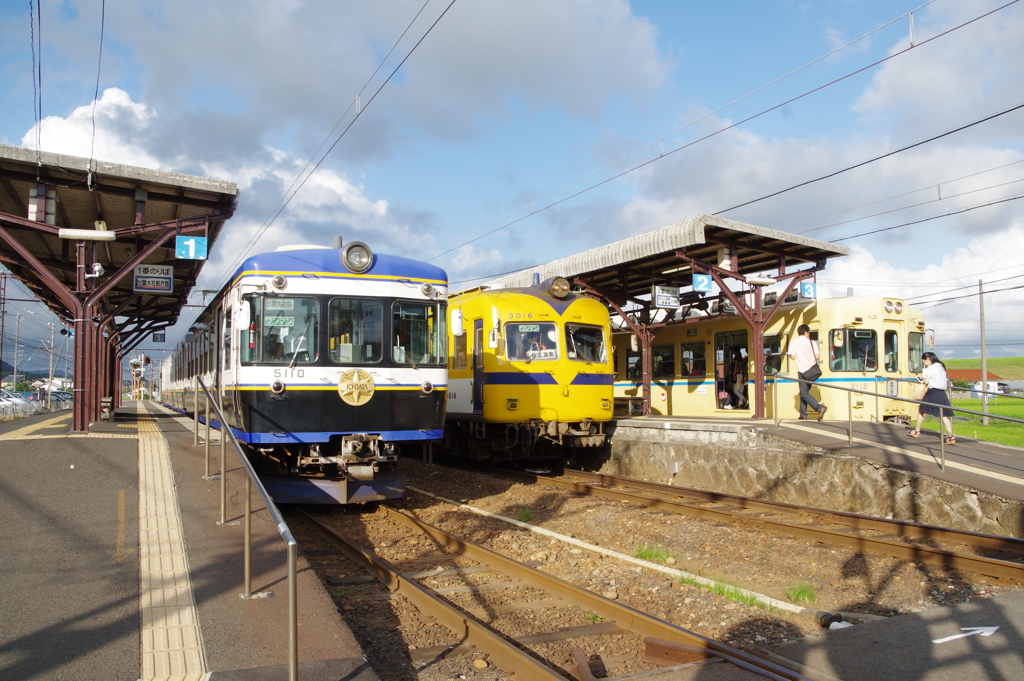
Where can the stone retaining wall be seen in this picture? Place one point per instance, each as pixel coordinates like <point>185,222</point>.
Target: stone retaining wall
<point>754,462</point>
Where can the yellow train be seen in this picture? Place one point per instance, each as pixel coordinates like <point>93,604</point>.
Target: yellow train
<point>703,366</point>
<point>530,372</point>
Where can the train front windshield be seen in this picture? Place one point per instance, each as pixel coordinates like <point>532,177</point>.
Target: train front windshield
<point>532,341</point>
<point>420,336</point>
<point>585,343</point>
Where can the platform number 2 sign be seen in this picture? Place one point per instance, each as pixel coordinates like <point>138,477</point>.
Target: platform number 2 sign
<point>808,290</point>
<point>702,283</point>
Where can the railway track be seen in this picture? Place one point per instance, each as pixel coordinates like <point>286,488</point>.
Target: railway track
<point>465,610</point>
<point>896,538</point>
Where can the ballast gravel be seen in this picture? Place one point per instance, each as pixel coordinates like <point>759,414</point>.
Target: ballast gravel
<point>810,575</point>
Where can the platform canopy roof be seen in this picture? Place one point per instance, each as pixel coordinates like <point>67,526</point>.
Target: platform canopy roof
<point>138,204</point>
<point>630,267</point>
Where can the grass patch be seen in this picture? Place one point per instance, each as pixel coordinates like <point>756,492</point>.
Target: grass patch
<point>594,617</point>
<point>655,554</point>
<point>801,591</point>
<point>524,515</point>
<point>726,590</point>
<point>1011,434</point>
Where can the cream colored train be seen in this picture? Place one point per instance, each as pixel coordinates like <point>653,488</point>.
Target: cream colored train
<point>704,366</point>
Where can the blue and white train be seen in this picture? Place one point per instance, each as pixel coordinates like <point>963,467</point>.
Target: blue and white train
<point>325,361</point>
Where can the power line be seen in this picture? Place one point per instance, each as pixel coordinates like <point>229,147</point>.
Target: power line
<point>663,154</point>
<point>96,96</point>
<point>890,198</point>
<point>934,217</point>
<point>877,158</point>
<point>283,202</point>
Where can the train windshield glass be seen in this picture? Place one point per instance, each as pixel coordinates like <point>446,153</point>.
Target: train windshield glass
<point>585,343</point>
<point>531,341</point>
<point>853,350</point>
<point>289,329</point>
<point>356,330</point>
<point>419,332</point>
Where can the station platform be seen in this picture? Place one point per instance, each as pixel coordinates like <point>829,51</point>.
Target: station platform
<point>984,466</point>
<point>115,567</point>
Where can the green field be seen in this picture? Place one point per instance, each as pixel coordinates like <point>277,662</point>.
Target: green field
<point>1007,368</point>
<point>1003,432</point>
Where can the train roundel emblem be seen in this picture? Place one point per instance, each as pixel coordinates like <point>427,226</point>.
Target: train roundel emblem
<point>356,387</point>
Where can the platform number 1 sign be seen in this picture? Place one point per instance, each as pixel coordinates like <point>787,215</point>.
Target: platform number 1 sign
<point>190,247</point>
<point>808,290</point>
<point>702,283</point>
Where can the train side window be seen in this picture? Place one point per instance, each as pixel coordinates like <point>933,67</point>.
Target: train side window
<point>915,346</point>
<point>248,338</point>
<point>663,361</point>
<point>693,359</point>
<point>226,337</point>
<point>892,351</point>
<point>634,370</point>
<point>478,347</point>
<point>459,351</point>
<point>356,330</point>
<point>773,354</point>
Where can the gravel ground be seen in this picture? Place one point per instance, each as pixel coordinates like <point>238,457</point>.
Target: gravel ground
<point>833,578</point>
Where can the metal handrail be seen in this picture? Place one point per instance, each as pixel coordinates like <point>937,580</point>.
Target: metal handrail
<point>851,391</point>
<point>275,515</point>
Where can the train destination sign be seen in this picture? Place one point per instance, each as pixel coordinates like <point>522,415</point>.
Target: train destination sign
<point>153,279</point>
<point>665,297</point>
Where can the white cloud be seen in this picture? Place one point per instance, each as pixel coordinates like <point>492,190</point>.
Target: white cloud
<point>122,127</point>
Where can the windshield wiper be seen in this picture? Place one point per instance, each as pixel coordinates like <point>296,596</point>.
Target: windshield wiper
<point>295,355</point>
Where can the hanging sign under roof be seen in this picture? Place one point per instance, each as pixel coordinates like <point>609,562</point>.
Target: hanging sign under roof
<point>665,297</point>
<point>153,279</point>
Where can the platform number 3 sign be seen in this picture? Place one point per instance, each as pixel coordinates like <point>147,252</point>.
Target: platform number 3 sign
<point>808,290</point>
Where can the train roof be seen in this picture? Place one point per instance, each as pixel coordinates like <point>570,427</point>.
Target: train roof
<point>328,261</point>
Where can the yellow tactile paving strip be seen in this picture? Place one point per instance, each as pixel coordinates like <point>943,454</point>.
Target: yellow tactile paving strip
<point>171,640</point>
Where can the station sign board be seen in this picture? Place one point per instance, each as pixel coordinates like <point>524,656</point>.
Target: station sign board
<point>666,297</point>
<point>702,283</point>
<point>153,279</point>
<point>190,247</point>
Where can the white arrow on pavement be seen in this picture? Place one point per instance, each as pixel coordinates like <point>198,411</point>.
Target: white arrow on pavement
<point>969,631</point>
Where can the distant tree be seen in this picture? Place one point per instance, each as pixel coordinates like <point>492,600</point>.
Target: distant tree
<point>961,384</point>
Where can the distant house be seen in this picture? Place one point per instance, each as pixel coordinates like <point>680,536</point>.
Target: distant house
<point>973,377</point>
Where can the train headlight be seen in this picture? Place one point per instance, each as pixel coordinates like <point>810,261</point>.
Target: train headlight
<point>558,287</point>
<point>888,306</point>
<point>279,281</point>
<point>899,307</point>
<point>357,257</point>
<point>427,387</point>
<point>277,387</point>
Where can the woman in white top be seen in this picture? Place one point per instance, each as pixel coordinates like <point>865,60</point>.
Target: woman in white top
<point>934,376</point>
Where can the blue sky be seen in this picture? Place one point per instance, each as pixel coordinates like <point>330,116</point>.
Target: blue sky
<point>502,104</point>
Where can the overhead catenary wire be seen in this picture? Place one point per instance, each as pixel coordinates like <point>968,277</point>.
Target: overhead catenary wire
<point>96,96</point>
<point>293,189</point>
<point>694,122</point>
<point>534,211</point>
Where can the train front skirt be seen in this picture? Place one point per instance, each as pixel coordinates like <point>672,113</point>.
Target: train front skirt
<point>294,489</point>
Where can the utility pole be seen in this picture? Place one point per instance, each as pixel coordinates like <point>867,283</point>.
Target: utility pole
<point>984,354</point>
<point>49,373</point>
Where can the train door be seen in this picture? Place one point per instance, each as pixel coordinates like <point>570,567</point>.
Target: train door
<point>478,366</point>
<point>731,359</point>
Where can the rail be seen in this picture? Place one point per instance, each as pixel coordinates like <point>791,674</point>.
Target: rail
<point>849,397</point>
<point>250,479</point>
